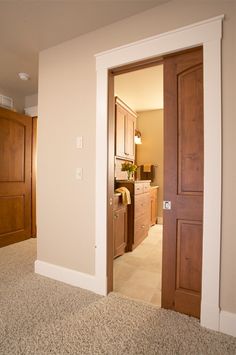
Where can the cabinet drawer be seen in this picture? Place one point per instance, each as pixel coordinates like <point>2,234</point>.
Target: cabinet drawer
<point>138,188</point>
<point>146,187</point>
<point>141,224</point>
<point>142,205</point>
<point>141,229</point>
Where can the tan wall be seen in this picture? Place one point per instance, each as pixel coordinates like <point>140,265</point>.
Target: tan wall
<point>150,124</point>
<point>67,107</point>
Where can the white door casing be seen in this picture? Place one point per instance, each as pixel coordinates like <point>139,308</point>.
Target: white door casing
<point>207,33</point>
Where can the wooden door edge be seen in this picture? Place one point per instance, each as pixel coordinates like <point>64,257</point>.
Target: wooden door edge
<point>111,177</point>
<point>34,177</point>
<point>111,155</point>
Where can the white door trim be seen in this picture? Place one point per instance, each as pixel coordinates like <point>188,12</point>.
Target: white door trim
<point>208,34</point>
<point>32,111</point>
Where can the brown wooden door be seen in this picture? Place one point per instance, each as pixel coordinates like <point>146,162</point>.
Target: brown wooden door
<point>15,177</point>
<point>183,176</point>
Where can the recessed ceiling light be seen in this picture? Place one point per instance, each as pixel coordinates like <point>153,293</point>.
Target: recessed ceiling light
<point>24,76</point>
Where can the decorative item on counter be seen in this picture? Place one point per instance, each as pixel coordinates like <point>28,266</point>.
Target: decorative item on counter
<point>130,168</point>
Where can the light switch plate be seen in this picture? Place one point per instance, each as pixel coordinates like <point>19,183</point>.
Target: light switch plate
<point>79,174</point>
<point>79,142</point>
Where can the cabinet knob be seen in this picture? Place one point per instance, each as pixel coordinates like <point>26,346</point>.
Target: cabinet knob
<point>143,226</point>
<point>115,215</point>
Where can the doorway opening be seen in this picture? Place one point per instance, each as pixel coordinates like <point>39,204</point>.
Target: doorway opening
<point>135,237</point>
<point>137,264</point>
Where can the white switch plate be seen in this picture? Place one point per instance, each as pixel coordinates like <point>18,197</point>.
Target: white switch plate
<point>79,142</point>
<point>79,174</point>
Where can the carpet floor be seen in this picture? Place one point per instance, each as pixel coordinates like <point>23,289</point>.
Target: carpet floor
<point>41,316</point>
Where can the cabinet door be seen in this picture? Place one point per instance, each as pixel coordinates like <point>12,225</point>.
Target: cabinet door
<point>120,131</point>
<point>130,123</point>
<point>141,228</point>
<point>120,231</point>
<point>153,206</point>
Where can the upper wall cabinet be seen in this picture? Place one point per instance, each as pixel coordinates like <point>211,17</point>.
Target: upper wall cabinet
<point>125,130</point>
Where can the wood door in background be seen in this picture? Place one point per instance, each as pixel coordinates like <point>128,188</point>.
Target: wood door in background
<point>183,176</point>
<point>15,177</point>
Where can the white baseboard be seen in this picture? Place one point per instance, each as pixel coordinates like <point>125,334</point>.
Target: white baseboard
<point>210,315</point>
<point>228,323</point>
<point>68,276</point>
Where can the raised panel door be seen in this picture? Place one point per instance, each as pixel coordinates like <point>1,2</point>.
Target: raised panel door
<point>15,177</point>
<point>183,176</point>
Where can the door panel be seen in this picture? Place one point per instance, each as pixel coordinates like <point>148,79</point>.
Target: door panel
<point>15,177</point>
<point>188,275</point>
<point>11,222</point>
<point>190,141</point>
<point>120,231</point>
<point>183,174</point>
<point>12,150</point>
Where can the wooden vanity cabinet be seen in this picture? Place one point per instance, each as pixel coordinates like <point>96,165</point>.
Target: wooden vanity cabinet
<point>138,211</point>
<point>119,227</point>
<point>125,124</point>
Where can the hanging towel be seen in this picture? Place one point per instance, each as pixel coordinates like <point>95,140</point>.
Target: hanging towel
<point>147,168</point>
<point>125,194</point>
<point>147,175</point>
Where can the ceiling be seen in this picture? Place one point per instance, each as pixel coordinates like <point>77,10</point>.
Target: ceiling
<point>27,27</point>
<point>141,90</point>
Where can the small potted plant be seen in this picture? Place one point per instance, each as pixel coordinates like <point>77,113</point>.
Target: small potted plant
<point>130,168</point>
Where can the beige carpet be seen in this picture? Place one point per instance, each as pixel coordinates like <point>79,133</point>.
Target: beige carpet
<point>42,316</point>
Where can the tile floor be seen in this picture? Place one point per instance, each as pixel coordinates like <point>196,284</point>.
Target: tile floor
<point>137,274</point>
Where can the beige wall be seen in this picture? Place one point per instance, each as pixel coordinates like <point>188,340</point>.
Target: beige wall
<point>67,100</point>
<point>150,124</point>
<point>31,100</point>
